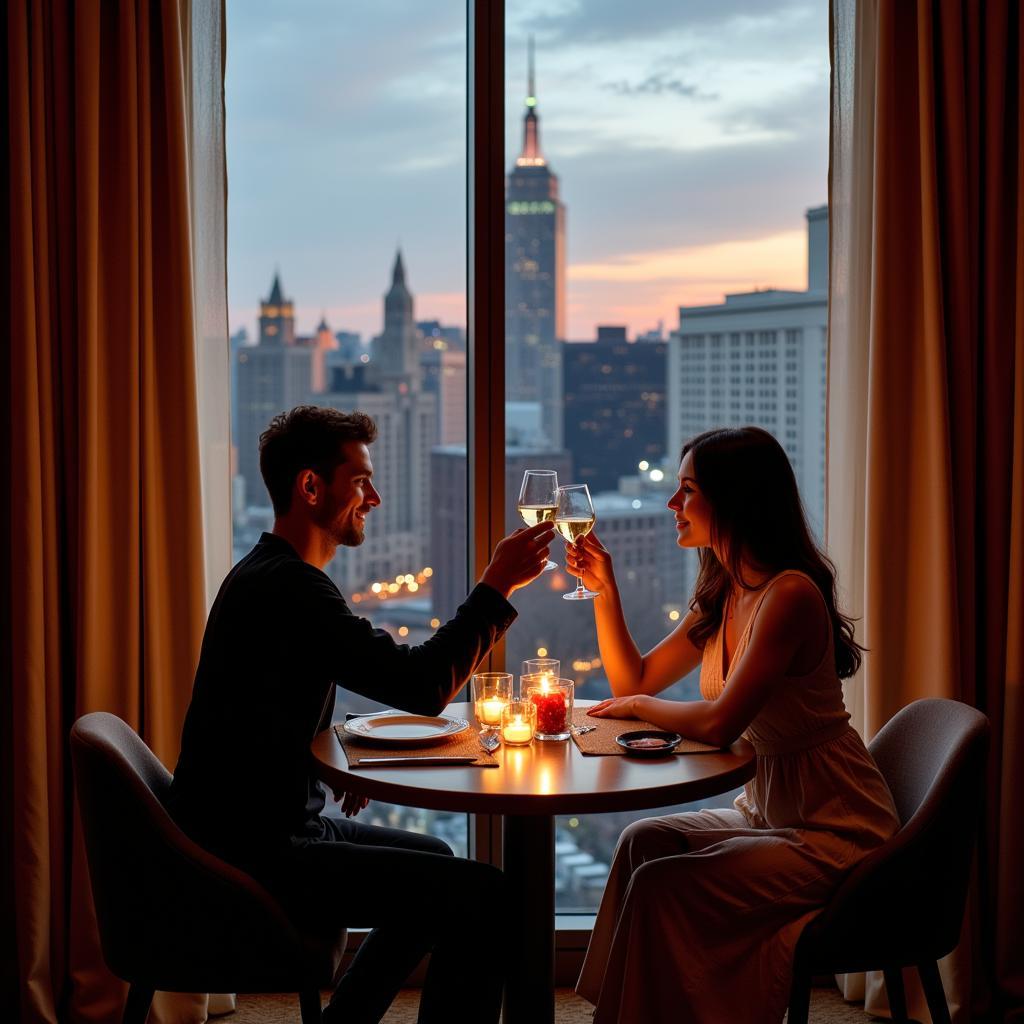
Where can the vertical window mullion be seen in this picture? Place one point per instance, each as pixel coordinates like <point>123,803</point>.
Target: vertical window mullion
<point>485,334</point>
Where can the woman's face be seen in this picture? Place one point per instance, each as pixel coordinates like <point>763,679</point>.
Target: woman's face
<point>693,513</point>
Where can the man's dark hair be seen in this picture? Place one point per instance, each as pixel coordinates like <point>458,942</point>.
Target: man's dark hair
<point>308,437</point>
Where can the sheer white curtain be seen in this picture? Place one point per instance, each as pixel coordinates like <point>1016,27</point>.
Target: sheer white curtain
<point>205,37</point>
<point>209,282</point>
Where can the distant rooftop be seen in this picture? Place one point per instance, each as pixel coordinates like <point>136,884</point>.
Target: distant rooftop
<point>775,298</point>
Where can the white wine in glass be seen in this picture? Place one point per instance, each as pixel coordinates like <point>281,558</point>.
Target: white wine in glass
<point>574,519</point>
<point>538,501</point>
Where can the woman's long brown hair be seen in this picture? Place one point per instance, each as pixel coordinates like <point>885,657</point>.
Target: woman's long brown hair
<point>756,514</point>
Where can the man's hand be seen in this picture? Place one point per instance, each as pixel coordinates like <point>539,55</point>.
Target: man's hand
<point>350,803</point>
<point>519,558</point>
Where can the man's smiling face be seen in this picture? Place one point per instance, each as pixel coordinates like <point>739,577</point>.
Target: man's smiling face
<point>349,496</point>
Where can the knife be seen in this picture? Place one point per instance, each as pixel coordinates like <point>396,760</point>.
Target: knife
<point>393,762</point>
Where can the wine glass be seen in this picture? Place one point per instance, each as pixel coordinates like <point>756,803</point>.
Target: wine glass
<point>574,519</point>
<point>538,499</point>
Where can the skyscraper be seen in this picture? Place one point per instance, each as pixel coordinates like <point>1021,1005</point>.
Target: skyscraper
<point>277,316</point>
<point>395,352</point>
<point>615,413</point>
<point>759,359</point>
<point>390,389</point>
<point>273,375</point>
<point>534,278</point>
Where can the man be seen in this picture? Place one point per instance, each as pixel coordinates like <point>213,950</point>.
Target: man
<point>279,638</point>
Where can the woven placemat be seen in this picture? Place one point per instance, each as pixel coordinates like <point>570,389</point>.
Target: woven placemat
<point>602,739</point>
<point>465,744</point>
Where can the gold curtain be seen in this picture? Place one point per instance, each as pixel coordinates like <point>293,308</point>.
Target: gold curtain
<point>106,554</point>
<point>926,403</point>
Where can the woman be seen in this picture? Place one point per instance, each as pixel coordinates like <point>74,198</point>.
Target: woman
<point>703,910</point>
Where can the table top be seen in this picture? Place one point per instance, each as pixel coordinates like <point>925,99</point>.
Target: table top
<point>547,777</point>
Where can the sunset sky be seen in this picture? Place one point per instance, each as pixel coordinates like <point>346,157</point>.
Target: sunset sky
<point>689,137</point>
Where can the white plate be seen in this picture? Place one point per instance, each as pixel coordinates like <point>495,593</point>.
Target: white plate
<point>397,729</point>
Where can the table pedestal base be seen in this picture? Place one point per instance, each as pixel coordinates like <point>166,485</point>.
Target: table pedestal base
<point>529,861</point>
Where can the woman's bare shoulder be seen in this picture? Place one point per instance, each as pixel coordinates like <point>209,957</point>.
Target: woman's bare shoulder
<point>794,597</point>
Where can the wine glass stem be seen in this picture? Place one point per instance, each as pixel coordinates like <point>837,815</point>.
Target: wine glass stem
<point>579,584</point>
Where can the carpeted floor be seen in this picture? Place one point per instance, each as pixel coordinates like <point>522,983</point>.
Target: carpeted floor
<point>827,1007</point>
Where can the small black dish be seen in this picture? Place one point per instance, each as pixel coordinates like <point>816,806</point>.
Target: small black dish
<point>634,745</point>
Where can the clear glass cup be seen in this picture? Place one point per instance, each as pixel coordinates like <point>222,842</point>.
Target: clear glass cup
<point>553,699</point>
<point>491,693</point>
<point>574,519</point>
<point>518,723</point>
<point>550,667</point>
<point>538,500</point>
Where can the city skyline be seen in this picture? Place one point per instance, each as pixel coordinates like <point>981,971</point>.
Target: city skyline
<point>338,156</point>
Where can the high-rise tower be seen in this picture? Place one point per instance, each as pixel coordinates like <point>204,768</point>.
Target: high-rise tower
<point>391,392</point>
<point>277,317</point>
<point>395,351</point>
<point>273,375</point>
<point>534,277</point>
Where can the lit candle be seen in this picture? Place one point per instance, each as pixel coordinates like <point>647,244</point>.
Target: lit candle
<point>517,731</point>
<point>552,698</point>
<point>489,710</point>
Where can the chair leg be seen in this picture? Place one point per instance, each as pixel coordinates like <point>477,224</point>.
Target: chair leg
<point>934,992</point>
<point>894,990</point>
<point>799,997</point>
<point>136,1009</point>
<point>309,1006</point>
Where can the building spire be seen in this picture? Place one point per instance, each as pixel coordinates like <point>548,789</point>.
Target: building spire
<point>398,271</point>
<point>276,294</point>
<point>531,92</point>
<point>531,154</point>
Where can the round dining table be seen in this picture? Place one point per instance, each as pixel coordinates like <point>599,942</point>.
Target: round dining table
<point>532,785</point>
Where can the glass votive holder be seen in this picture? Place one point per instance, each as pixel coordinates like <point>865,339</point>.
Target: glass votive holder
<point>491,693</point>
<point>553,701</point>
<point>549,667</point>
<point>518,723</point>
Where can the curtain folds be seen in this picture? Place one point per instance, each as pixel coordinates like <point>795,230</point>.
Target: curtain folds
<point>926,404</point>
<point>107,555</point>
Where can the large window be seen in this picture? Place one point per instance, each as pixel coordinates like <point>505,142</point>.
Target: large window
<point>346,250</point>
<point>666,262</point>
<point>665,271</point>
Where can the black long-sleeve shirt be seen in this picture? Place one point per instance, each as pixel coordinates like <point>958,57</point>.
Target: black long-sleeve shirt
<point>279,638</point>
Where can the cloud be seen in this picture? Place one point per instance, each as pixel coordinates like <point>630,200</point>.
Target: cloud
<point>656,84</point>
<point>347,134</point>
<point>615,21</point>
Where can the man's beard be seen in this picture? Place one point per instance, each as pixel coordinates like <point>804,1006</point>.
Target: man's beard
<point>349,533</point>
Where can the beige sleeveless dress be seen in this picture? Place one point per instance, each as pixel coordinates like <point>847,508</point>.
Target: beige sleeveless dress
<point>703,910</point>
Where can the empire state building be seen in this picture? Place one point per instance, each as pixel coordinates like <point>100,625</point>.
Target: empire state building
<point>534,278</point>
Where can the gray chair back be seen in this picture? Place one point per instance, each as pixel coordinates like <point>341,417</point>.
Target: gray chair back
<point>904,903</point>
<point>171,915</point>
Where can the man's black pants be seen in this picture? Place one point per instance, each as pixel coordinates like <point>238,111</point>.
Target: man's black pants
<point>418,898</point>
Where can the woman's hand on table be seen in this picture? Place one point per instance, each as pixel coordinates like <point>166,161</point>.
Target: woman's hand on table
<point>619,707</point>
<point>588,559</point>
<point>350,803</point>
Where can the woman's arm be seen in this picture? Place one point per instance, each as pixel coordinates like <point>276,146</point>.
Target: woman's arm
<point>629,671</point>
<point>791,620</point>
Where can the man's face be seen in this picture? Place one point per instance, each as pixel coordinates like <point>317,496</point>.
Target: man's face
<point>349,497</point>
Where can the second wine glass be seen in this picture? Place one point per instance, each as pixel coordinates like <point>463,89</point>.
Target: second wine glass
<point>538,499</point>
<point>574,519</point>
